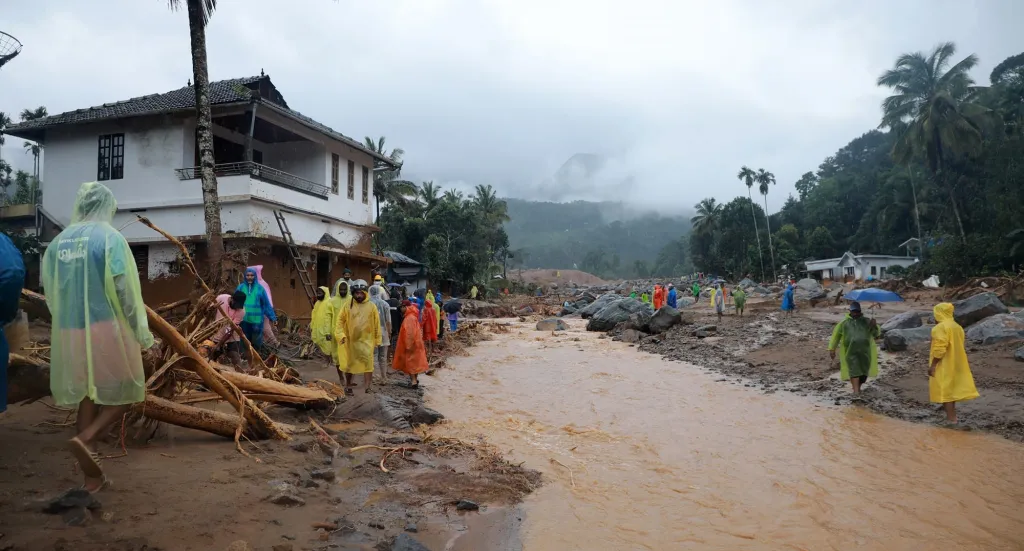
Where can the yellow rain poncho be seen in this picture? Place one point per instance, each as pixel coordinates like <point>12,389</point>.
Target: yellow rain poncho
<point>94,296</point>
<point>340,305</point>
<point>952,381</point>
<point>858,353</point>
<point>363,331</point>
<point>321,324</point>
<point>339,302</point>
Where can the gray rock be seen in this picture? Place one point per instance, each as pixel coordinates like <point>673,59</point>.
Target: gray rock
<point>899,339</point>
<point>466,505</point>
<point>619,311</point>
<point>423,415</point>
<point>1018,315</point>
<point>411,528</point>
<point>683,302</point>
<point>758,290</point>
<point>323,474</point>
<point>906,320</point>
<point>1019,354</point>
<point>567,311</point>
<point>707,328</point>
<point>598,304</point>
<point>308,483</point>
<point>702,334</point>
<point>747,283</point>
<point>284,493</point>
<point>405,542</point>
<point>631,336</point>
<point>809,289</point>
<point>552,324</point>
<point>971,310</point>
<point>997,328</point>
<point>664,319</point>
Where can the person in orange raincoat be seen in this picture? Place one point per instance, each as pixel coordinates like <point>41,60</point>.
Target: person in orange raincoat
<point>410,354</point>
<point>429,322</point>
<point>658,297</point>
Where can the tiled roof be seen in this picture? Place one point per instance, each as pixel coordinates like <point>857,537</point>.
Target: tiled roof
<point>221,92</point>
<point>400,258</point>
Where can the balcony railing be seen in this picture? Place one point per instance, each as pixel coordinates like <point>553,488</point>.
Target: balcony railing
<point>260,172</point>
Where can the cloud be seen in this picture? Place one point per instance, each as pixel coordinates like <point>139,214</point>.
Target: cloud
<point>675,96</point>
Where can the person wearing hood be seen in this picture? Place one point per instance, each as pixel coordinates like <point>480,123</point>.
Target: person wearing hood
<point>657,298</point>
<point>341,298</point>
<point>949,375</point>
<point>12,278</point>
<point>346,276</point>
<point>645,298</point>
<point>632,294</point>
<point>257,307</point>
<point>696,292</point>
<point>378,281</point>
<point>234,306</point>
<point>788,302</point>
<point>410,352</point>
<point>440,316</point>
<point>473,292</point>
<point>858,355</point>
<point>718,300</point>
<point>99,324</point>
<point>268,330</point>
<point>380,358</point>
<point>430,321</point>
<point>739,299</point>
<point>360,335</point>
<point>321,323</point>
<point>672,298</point>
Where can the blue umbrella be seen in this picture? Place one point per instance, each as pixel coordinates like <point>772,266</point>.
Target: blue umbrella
<point>873,295</point>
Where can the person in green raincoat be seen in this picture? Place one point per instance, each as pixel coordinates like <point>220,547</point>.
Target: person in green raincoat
<point>632,294</point>
<point>99,324</point>
<point>645,298</point>
<point>696,292</point>
<point>858,355</point>
<point>739,299</point>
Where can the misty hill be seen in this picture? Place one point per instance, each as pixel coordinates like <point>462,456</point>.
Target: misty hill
<point>609,239</point>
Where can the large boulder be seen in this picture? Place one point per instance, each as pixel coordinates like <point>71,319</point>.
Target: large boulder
<point>664,319</point>
<point>997,328</point>
<point>552,324</point>
<point>974,309</point>
<point>906,320</point>
<point>900,339</point>
<point>598,304</point>
<point>619,311</point>
<point>747,283</point>
<point>809,289</point>
<point>683,302</point>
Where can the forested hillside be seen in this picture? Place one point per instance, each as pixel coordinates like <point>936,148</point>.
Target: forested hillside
<point>948,166</point>
<point>606,239</point>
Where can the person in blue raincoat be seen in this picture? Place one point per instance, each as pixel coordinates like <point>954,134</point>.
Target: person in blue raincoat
<point>672,299</point>
<point>257,306</point>
<point>788,302</point>
<point>12,277</point>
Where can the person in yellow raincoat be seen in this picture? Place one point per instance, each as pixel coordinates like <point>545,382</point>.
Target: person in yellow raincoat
<point>949,375</point>
<point>99,324</point>
<point>858,354</point>
<point>321,323</point>
<point>359,327</point>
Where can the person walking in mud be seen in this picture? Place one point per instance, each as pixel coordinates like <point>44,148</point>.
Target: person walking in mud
<point>739,300</point>
<point>380,354</point>
<point>949,375</point>
<point>363,335</point>
<point>410,352</point>
<point>99,325</point>
<point>718,299</point>
<point>788,301</point>
<point>854,337</point>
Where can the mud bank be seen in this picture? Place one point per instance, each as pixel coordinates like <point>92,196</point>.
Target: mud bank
<point>187,490</point>
<point>766,351</point>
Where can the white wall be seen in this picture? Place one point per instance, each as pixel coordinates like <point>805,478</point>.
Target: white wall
<point>161,256</point>
<point>305,228</point>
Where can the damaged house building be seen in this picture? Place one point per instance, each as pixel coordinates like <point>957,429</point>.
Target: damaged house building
<point>273,164</point>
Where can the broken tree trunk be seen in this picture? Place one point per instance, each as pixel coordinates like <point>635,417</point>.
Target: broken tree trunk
<point>166,411</point>
<point>270,390</point>
<point>28,379</point>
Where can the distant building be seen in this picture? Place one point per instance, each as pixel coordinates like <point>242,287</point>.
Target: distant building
<point>406,272</point>
<point>857,267</point>
<point>268,158</point>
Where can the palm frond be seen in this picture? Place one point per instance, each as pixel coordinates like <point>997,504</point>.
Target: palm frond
<point>207,7</point>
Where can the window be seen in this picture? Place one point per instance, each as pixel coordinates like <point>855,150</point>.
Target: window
<point>335,167</point>
<point>874,270</point>
<point>849,270</point>
<point>352,180</point>
<point>366,186</point>
<point>110,162</point>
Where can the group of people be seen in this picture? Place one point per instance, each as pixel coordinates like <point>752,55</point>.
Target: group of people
<point>358,324</point>
<point>661,296</point>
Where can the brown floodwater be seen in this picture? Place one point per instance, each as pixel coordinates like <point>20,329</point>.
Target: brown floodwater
<point>643,453</point>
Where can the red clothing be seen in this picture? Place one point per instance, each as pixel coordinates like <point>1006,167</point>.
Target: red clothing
<point>410,353</point>
<point>659,296</point>
<point>429,323</point>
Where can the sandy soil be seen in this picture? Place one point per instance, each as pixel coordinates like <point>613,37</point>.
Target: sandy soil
<point>776,354</point>
<point>188,490</point>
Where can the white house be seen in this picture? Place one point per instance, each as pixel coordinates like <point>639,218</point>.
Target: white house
<point>268,157</point>
<point>857,267</point>
<point>410,273</point>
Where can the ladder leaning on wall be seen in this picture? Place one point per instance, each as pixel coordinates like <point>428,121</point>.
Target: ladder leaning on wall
<point>307,284</point>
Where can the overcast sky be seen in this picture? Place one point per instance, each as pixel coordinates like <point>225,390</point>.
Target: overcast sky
<point>677,94</point>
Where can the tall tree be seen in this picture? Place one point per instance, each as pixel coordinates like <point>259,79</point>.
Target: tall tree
<point>5,168</point>
<point>708,212</point>
<point>932,110</point>
<point>765,179</point>
<point>747,175</point>
<point>430,195</point>
<point>34,148</point>
<point>199,12</point>
<point>387,184</point>
<point>486,200</point>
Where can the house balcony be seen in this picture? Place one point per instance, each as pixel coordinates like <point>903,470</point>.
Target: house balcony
<point>262,173</point>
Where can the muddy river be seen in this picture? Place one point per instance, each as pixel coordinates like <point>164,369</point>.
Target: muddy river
<point>642,453</point>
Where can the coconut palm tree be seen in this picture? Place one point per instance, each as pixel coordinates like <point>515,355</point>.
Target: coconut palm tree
<point>430,195</point>
<point>453,196</point>
<point>492,208</point>
<point>746,175</point>
<point>765,179</point>
<point>5,180</point>
<point>934,101</point>
<point>199,12</point>
<point>709,212</point>
<point>34,148</point>
<point>387,184</point>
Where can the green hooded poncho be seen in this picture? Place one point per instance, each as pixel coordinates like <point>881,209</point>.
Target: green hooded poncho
<point>858,354</point>
<point>95,298</point>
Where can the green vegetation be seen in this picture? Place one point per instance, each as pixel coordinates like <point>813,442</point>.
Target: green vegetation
<point>609,240</point>
<point>946,166</point>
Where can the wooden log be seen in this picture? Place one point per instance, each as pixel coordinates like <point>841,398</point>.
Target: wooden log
<point>259,385</point>
<point>28,379</point>
<point>182,415</point>
<point>168,307</point>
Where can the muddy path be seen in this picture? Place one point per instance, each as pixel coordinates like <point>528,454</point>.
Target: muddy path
<point>640,452</point>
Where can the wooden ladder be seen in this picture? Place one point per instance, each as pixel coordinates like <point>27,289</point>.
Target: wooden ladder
<point>294,250</point>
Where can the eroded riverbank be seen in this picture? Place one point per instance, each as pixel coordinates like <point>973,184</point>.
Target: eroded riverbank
<point>643,453</point>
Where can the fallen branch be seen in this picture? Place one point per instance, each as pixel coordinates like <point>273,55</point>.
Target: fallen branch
<point>572,479</point>
<point>387,452</point>
<point>168,307</point>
